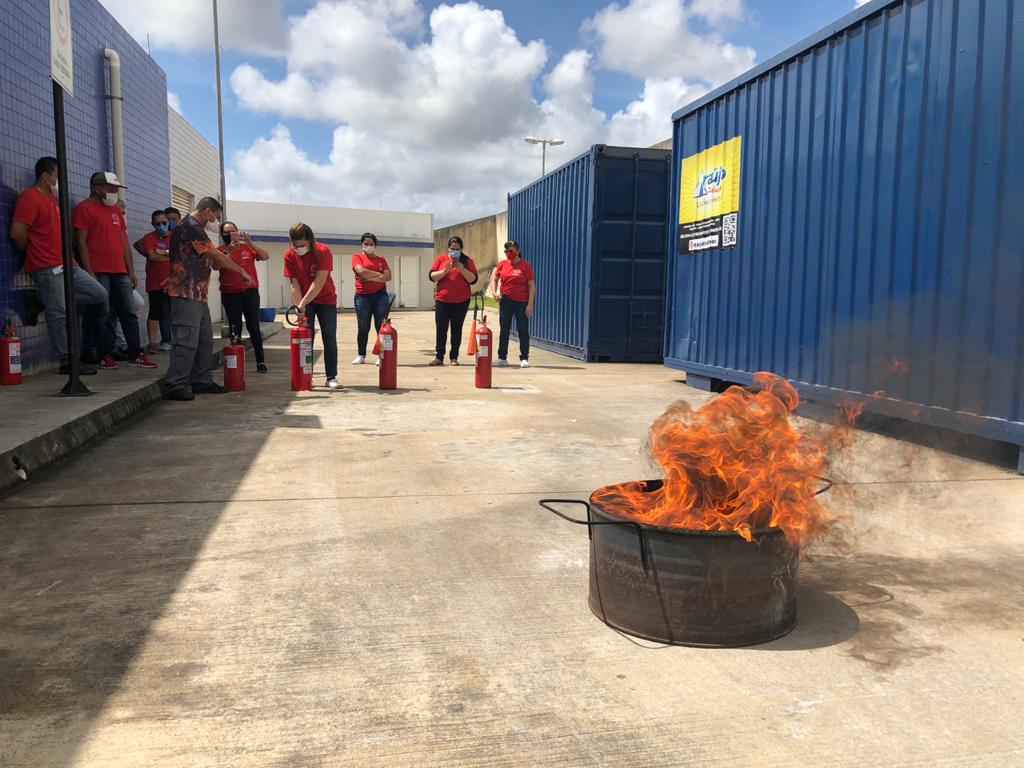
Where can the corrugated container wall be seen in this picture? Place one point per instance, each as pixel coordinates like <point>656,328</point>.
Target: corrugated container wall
<point>880,235</point>
<point>595,231</point>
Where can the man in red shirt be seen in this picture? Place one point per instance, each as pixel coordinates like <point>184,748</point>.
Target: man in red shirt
<point>35,229</point>
<point>101,237</point>
<point>155,246</point>
<point>513,281</point>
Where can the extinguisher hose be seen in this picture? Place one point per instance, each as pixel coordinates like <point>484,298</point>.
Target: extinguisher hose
<point>300,318</point>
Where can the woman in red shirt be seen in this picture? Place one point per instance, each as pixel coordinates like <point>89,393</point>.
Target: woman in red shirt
<point>237,298</point>
<point>308,265</point>
<point>453,273</point>
<point>516,291</point>
<point>371,299</point>
<point>155,246</point>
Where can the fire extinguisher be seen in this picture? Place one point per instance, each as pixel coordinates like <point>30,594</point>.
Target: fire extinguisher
<point>388,355</point>
<point>10,357</point>
<point>483,354</point>
<point>302,350</point>
<point>234,363</point>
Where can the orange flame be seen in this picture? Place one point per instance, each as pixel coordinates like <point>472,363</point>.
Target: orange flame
<point>734,464</point>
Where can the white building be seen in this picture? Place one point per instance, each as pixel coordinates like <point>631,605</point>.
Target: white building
<point>405,240</point>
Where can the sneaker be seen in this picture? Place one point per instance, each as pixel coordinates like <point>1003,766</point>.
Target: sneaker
<point>436,361</point>
<point>213,388</point>
<point>360,359</point>
<point>166,346</point>
<point>333,384</point>
<point>500,363</point>
<point>107,363</point>
<point>141,361</point>
<point>524,363</point>
<point>84,369</point>
<point>152,349</point>
<point>179,394</point>
<point>377,363</point>
<point>455,362</point>
<point>262,367</point>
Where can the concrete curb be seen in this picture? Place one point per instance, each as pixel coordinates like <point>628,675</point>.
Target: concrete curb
<point>41,453</point>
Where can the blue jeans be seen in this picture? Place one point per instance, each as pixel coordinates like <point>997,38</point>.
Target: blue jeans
<point>506,311</point>
<point>122,304</point>
<point>369,306</point>
<point>88,292</point>
<point>327,314</point>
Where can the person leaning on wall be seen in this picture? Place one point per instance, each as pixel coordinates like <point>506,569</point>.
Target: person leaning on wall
<point>35,230</point>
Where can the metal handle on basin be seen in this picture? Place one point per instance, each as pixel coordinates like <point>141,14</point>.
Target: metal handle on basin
<point>546,504</point>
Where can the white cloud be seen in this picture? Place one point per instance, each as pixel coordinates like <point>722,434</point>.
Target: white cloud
<point>653,38</point>
<point>254,26</point>
<point>174,102</point>
<point>430,112</point>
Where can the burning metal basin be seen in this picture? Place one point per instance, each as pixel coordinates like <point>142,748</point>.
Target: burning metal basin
<point>688,587</point>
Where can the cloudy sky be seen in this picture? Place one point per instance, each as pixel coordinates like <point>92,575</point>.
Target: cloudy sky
<point>407,105</point>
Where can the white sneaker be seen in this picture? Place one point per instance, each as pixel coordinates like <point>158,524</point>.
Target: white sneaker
<point>359,360</point>
<point>333,384</point>
<point>499,363</point>
<point>524,364</point>
<point>378,361</point>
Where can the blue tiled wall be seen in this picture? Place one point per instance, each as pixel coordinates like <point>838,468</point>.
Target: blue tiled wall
<point>26,131</point>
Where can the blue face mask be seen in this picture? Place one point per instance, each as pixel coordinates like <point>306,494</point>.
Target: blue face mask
<point>172,225</point>
<point>162,228</point>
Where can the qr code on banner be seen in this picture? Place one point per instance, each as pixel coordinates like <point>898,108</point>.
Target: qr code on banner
<point>729,229</point>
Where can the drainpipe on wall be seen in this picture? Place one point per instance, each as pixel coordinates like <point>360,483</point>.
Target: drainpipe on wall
<point>116,124</point>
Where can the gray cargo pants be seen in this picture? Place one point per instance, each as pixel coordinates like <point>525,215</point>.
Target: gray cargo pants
<point>192,356</point>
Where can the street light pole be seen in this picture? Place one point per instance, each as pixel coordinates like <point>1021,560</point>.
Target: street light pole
<point>543,150</point>
<point>220,112</point>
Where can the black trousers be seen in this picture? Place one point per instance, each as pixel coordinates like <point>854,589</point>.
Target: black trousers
<point>509,309</point>
<point>245,303</point>
<point>448,314</point>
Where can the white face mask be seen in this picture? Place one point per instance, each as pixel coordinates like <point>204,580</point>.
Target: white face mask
<point>56,188</point>
<point>110,198</point>
<point>302,250</point>
<point>369,249</point>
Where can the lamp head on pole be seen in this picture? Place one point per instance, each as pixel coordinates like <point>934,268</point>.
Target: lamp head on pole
<point>532,140</point>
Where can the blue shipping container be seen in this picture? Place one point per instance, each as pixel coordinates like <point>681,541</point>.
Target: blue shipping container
<point>595,231</point>
<point>864,235</point>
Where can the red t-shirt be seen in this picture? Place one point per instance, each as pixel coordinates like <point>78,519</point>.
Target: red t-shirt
<point>374,262</point>
<point>304,269</point>
<point>105,234</point>
<point>157,272</point>
<point>40,213</point>
<point>245,257</point>
<point>514,279</point>
<point>452,288</point>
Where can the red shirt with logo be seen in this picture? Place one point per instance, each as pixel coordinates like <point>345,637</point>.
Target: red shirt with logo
<point>157,272</point>
<point>40,213</point>
<point>453,287</point>
<point>245,257</point>
<point>105,234</point>
<point>374,262</point>
<point>304,269</point>
<point>515,278</point>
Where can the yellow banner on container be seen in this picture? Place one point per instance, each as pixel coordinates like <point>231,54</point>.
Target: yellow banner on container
<point>709,197</point>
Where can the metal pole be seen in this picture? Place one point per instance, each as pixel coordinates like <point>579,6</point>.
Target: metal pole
<point>74,387</point>
<point>220,113</point>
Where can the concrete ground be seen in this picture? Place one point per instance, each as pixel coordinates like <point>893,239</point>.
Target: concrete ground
<point>365,579</point>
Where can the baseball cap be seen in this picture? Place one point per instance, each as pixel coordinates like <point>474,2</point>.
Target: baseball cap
<point>105,177</point>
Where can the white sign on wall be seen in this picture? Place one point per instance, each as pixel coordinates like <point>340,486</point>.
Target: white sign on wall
<point>60,45</point>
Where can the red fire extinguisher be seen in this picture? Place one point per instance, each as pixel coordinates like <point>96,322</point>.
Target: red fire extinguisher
<point>388,355</point>
<point>10,357</point>
<point>483,354</point>
<point>302,351</point>
<point>234,364</point>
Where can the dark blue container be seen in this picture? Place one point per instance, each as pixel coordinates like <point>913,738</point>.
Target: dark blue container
<point>595,231</point>
<point>877,253</point>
